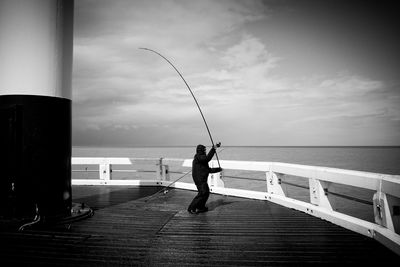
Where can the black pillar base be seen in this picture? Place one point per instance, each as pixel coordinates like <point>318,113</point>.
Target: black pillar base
<point>79,211</point>
<point>35,154</point>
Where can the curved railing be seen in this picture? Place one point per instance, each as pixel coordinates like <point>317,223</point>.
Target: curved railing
<point>273,180</point>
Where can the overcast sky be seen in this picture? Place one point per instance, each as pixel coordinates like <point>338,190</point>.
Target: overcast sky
<point>264,73</point>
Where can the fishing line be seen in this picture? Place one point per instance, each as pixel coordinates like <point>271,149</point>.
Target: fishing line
<point>190,90</point>
<point>166,187</point>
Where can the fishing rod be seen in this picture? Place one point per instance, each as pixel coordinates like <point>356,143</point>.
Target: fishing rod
<point>190,90</point>
<point>165,189</point>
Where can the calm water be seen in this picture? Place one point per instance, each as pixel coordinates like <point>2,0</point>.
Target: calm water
<point>372,159</point>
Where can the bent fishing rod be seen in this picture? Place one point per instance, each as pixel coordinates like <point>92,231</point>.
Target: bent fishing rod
<point>190,90</point>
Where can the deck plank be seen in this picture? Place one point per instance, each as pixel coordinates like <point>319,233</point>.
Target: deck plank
<point>128,231</point>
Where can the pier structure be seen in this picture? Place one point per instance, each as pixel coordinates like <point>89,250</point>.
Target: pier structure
<point>381,198</point>
<point>136,224</point>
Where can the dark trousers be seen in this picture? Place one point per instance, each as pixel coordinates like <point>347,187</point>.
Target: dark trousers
<point>199,201</point>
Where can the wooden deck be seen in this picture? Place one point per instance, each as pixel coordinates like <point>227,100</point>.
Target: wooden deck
<point>127,231</point>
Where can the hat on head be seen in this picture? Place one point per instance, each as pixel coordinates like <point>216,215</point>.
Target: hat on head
<point>200,148</point>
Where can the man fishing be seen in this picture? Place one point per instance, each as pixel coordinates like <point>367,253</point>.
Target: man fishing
<point>200,168</point>
<point>200,172</point>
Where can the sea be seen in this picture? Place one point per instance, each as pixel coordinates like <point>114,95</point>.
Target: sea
<point>382,160</point>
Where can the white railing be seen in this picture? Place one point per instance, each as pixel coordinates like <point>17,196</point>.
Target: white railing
<point>386,200</point>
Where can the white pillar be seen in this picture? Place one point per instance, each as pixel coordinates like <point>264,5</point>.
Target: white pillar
<point>36,47</point>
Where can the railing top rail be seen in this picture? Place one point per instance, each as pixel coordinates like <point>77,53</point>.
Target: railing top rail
<point>245,165</point>
<point>107,160</point>
<point>368,180</point>
<point>373,181</point>
<point>115,160</point>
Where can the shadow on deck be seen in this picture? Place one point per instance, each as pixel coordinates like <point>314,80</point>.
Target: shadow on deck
<point>127,231</point>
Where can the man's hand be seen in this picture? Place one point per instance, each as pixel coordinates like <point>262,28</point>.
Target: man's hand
<point>217,145</point>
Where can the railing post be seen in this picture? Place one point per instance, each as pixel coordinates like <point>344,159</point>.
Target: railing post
<point>159,169</point>
<point>162,171</point>
<point>215,180</point>
<point>104,171</point>
<point>165,172</point>
<point>382,211</point>
<point>318,196</point>
<point>274,183</point>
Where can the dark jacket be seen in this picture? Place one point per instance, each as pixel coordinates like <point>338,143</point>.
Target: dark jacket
<point>200,168</point>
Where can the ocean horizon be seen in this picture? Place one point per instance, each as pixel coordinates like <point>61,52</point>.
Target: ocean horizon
<point>377,159</point>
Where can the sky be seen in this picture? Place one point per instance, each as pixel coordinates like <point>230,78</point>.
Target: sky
<point>265,73</point>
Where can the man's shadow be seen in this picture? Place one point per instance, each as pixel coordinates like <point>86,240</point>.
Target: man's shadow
<point>212,205</point>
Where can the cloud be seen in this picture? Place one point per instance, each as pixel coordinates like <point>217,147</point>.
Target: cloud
<point>246,86</point>
<point>336,100</point>
<point>353,85</point>
<point>242,71</point>
<point>249,53</point>
<point>113,80</point>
